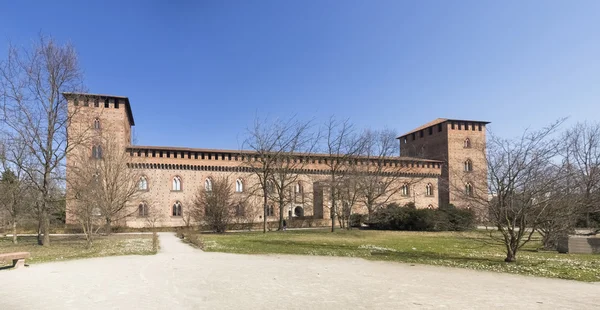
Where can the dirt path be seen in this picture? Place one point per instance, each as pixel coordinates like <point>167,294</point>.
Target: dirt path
<point>181,277</point>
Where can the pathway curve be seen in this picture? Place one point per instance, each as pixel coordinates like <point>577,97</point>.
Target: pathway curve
<point>182,277</point>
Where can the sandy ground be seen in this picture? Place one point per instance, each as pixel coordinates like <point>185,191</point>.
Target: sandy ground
<point>181,277</point>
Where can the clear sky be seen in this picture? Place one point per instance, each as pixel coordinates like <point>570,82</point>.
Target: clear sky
<point>198,72</point>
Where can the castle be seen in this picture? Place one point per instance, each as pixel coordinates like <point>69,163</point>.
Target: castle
<point>436,166</point>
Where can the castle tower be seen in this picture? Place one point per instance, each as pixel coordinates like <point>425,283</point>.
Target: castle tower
<point>460,144</point>
<point>95,118</point>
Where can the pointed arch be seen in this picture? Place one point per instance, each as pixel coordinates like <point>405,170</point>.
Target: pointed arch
<point>469,189</point>
<point>97,151</point>
<point>429,189</point>
<point>468,165</point>
<point>405,190</point>
<point>208,185</point>
<point>239,186</point>
<point>96,123</point>
<point>143,183</point>
<point>467,143</point>
<point>142,209</point>
<point>177,209</point>
<point>176,186</point>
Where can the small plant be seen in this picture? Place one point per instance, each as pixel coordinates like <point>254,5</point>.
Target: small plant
<point>155,241</point>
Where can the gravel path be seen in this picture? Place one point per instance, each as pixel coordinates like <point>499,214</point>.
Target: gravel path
<point>181,277</point>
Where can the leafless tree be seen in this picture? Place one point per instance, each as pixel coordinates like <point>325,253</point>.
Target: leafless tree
<point>342,146</point>
<point>348,192</point>
<point>86,209</point>
<point>215,206</point>
<point>293,149</point>
<point>269,143</point>
<point>15,192</point>
<point>582,154</point>
<point>558,218</point>
<point>34,111</point>
<point>378,180</point>
<point>108,178</point>
<point>523,181</point>
<point>150,213</point>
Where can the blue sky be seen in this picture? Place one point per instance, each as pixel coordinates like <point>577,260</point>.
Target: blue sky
<point>198,72</point>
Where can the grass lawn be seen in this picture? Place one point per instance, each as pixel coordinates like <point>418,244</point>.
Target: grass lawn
<point>73,247</point>
<point>472,250</point>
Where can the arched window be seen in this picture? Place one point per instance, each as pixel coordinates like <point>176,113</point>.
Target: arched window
<point>467,143</point>
<point>97,151</point>
<point>176,183</point>
<point>469,189</point>
<point>380,188</point>
<point>239,186</point>
<point>404,190</point>
<point>143,209</point>
<point>468,165</point>
<point>96,123</point>
<point>270,210</point>
<point>177,209</point>
<point>240,209</point>
<point>143,184</point>
<point>430,207</point>
<point>298,188</point>
<point>270,187</point>
<point>208,185</point>
<point>429,189</point>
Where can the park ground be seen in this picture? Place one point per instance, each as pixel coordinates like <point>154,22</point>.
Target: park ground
<point>184,277</point>
<point>471,250</point>
<point>74,247</point>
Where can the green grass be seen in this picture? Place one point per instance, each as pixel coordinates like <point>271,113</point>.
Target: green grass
<point>74,247</point>
<point>472,250</point>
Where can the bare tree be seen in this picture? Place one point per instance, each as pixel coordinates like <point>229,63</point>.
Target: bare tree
<point>269,143</point>
<point>34,111</point>
<point>342,145</point>
<point>348,192</point>
<point>15,191</point>
<point>379,180</point>
<point>215,205</point>
<point>582,155</point>
<point>293,149</point>
<point>86,207</point>
<point>523,181</point>
<point>107,177</point>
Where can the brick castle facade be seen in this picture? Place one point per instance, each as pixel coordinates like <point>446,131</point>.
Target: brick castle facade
<point>436,164</point>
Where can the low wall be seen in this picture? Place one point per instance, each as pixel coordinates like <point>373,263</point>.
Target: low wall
<point>579,245</point>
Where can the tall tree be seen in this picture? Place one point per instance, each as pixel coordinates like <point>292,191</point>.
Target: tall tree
<point>105,180</point>
<point>379,180</point>
<point>33,110</point>
<point>582,155</point>
<point>293,153</point>
<point>523,181</point>
<point>268,143</point>
<point>15,192</point>
<point>342,145</point>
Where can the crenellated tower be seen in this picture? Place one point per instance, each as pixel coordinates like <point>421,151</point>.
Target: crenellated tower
<point>460,144</point>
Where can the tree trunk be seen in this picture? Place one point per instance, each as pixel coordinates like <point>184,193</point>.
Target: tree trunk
<point>107,226</point>
<point>264,211</point>
<point>332,213</point>
<point>511,254</point>
<point>45,227</point>
<point>280,215</point>
<point>39,231</point>
<point>14,231</point>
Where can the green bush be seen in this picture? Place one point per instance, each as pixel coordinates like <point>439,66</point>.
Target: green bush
<point>448,218</point>
<point>357,219</point>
